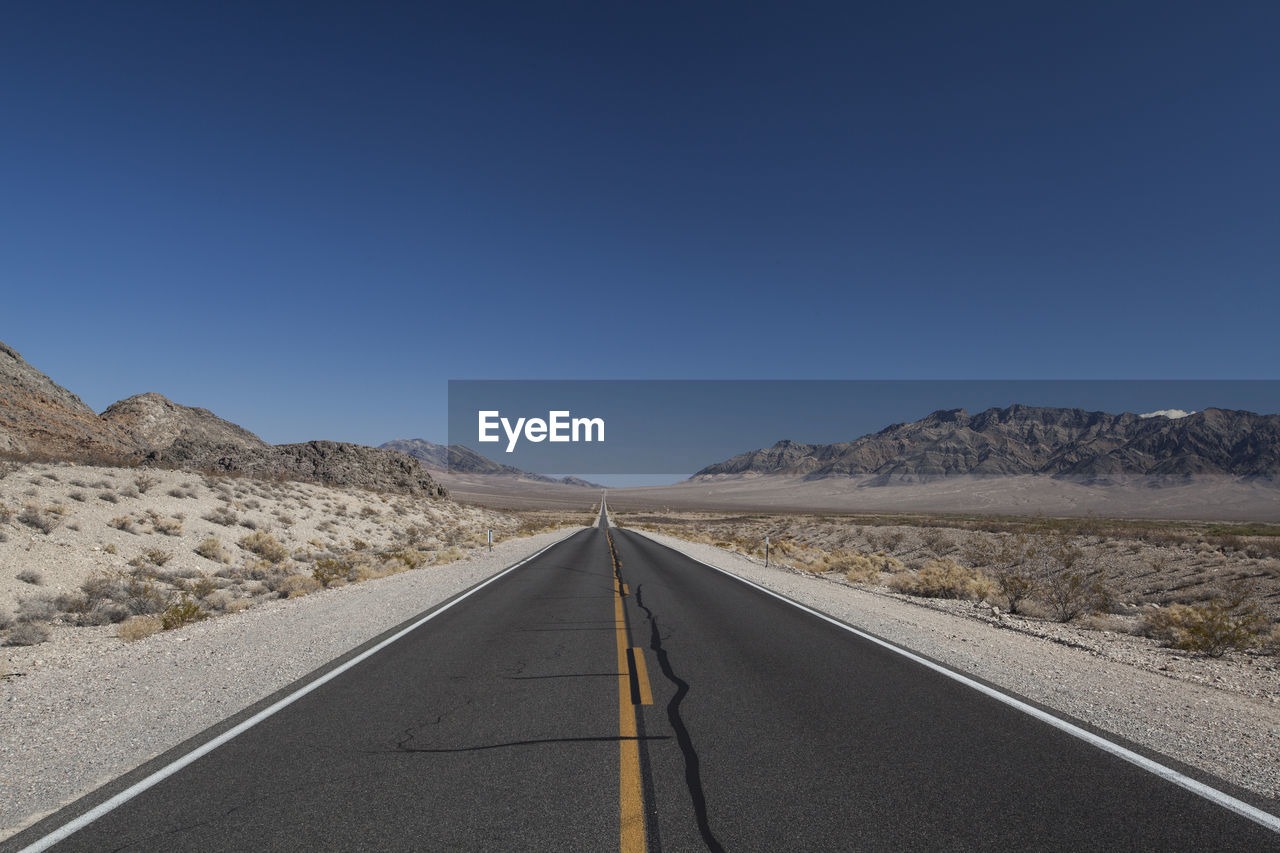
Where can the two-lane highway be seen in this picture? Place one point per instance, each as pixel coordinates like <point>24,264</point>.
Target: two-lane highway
<point>614,694</point>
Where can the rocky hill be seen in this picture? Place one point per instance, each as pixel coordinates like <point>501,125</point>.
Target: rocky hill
<point>40,418</point>
<point>458,459</point>
<point>1071,443</point>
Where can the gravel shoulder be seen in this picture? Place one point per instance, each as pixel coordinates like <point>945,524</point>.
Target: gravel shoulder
<point>88,710</point>
<point>1222,717</point>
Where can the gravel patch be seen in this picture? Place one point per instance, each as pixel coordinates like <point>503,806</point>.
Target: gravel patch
<point>91,707</point>
<point>1222,717</point>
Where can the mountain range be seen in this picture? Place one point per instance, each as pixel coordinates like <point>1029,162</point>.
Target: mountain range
<point>1094,447</point>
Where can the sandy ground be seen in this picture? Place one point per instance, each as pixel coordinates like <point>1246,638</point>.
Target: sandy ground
<point>1220,716</point>
<point>93,707</point>
<point>1213,499</point>
<point>61,525</point>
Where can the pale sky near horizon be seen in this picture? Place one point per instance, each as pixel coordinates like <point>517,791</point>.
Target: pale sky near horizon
<point>309,217</point>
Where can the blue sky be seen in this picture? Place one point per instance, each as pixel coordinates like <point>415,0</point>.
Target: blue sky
<point>308,217</point>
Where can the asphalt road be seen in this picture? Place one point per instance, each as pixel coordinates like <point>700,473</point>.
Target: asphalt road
<point>516,720</point>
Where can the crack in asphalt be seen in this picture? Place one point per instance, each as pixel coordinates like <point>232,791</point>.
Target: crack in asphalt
<point>692,767</point>
<point>537,742</point>
<point>177,829</point>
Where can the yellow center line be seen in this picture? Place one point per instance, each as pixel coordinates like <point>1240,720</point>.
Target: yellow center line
<point>630,786</point>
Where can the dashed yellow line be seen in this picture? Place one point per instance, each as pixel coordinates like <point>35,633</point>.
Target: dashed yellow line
<point>630,786</point>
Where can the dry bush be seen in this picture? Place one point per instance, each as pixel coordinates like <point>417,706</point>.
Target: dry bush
<point>1213,627</point>
<point>448,555</point>
<point>154,556</point>
<point>6,619</point>
<point>935,541</point>
<point>31,576</point>
<point>1070,594</point>
<point>143,482</point>
<point>411,558</point>
<point>168,526</point>
<point>46,520</point>
<point>37,608</point>
<point>223,516</point>
<point>182,612</point>
<point>122,522</point>
<point>295,586</point>
<point>78,497</point>
<point>109,497</point>
<point>110,548</point>
<point>329,570</point>
<point>211,549</point>
<point>143,597</point>
<point>139,627</point>
<point>943,579</point>
<point>265,546</point>
<point>861,568</point>
<point>27,634</point>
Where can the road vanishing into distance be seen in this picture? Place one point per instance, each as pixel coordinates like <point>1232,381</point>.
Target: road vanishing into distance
<point>613,694</point>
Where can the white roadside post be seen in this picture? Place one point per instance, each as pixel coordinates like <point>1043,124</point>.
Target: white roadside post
<point>490,540</point>
<point>766,552</point>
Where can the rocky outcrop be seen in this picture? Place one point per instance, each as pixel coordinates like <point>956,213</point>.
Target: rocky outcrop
<point>1071,443</point>
<point>38,417</point>
<point>155,422</point>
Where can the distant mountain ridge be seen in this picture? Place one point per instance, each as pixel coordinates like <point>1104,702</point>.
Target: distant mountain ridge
<point>459,459</point>
<point>1058,442</point>
<point>38,417</point>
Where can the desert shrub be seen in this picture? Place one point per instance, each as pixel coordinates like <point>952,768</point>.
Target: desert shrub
<point>107,613</point>
<point>31,576</point>
<point>6,619</point>
<point>43,520</point>
<point>132,630</point>
<point>169,527</point>
<point>1212,627</point>
<point>143,597</point>
<point>182,612</point>
<point>102,587</point>
<point>411,558</point>
<point>935,541</point>
<point>359,545</point>
<point>1070,592</point>
<point>144,482</point>
<point>211,549</point>
<point>109,497</point>
<point>448,555</point>
<point>38,608</point>
<point>860,568</point>
<point>1015,584</point>
<point>27,634</point>
<point>330,569</point>
<point>943,579</point>
<point>219,599</point>
<point>265,546</point>
<point>110,548</point>
<point>122,522</point>
<point>77,496</point>
<point>223,516</point>
<point>295,586</point>
<point>155,556</point>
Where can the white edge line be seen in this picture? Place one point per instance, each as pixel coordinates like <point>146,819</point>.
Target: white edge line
<point>68,829</point>
<point>1257,815</point>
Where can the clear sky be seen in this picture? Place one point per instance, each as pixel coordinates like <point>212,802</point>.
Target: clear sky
<point>307,217</point>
